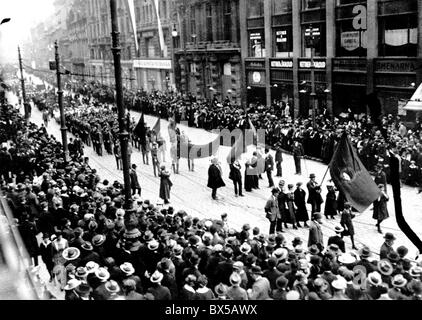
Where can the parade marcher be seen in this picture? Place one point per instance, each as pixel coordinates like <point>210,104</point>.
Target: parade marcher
<point>134,182</point>
<point>145,149</point>
<point>154,158</point>
<point>346,222</point>
<point>165,184</point>
<point>298,154</point>
<point>330,208</point>
<point>278,160</point>
<point>290,213</point>
<point>118,155</point>
<point>273,213</point>
<point>313,198</point>
<point>300,202</point>
<point>269,167</point>
<point>380,208</point>
<point>236,176</point>
<point>215,180</point>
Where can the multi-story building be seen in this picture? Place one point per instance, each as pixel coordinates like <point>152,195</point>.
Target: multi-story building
<point>153,63</point>
<point>101,65</point>
<point>358,47</point>
<point>208,48</point>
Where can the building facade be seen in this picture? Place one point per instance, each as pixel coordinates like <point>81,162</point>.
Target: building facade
<point>207,48</point>
<point>154,61</point>
<point>353,47</point>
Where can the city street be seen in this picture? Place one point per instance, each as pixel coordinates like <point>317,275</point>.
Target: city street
<point>191,194</point>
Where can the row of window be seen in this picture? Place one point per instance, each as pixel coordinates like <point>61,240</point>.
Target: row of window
<point>397,34</point>
<point>146,12</point>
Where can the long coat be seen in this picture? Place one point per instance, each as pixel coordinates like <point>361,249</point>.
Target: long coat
<point>134,183</point>
<point>282,205</point>
<point>331,203</point>
<point>214,177</point>
<point>165,185</point>
<point>315,234</point>
<point>290,216</point>
<point>380,208</point>
<point>301,211</point>
<point>235,173</point>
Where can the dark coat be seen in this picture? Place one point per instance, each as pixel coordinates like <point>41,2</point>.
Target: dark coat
<point>160,292</point>
<point>312,194</point>
<point>272,209</point>
<point>331,203</point>
<point>315,234</point>
<point>235,173</point>
<point>301,212</point>
<point>165,185</point>
<point>214,177</point>
<point>338,241</point>
<point>269,162</point>
<point>134,183</point>
<point>380,208</point>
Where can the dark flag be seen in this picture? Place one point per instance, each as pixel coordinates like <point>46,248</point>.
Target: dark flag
<point>194,151</point>
<point>351,177</point>
<point>140,130</point>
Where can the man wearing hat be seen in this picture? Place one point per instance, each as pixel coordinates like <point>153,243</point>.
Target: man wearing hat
<point>100,292</point>
<point>364,254</point>
<point>235,291</point>
<point>159,291</point>
<point>380,177</point>
<point>134,182</point>
<point>315,233</point>
<point>261,288</point>
<point>399,284</point>
<point>339,288</point>
<point>215,180</point>
<point>313,196</point>
<point>387,246</point>
<point>336,239</point>
<point>298,154</point>
<point>346,222</point>
<point>273,213</point>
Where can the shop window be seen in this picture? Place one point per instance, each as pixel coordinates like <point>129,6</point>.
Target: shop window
<point>282,6</point>
<point>257,44</point>
<point>312,4</point>
<point>192,20</point>
<point>227,69</point>
<point>255,8</point>
<point>314,36</point>
<point>283,42</point>
<point>398,35</point>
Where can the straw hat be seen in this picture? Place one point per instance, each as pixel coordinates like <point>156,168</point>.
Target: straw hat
<point>346,258</point>
<point>112,286</point>
<point>374,278</point>
<point>91,266</point>
<point>399,281</point>
<point>102,274</point>
<point>72,284</point>
<point>127,268</point>
<point>156,277</point>
<point>71,253</point>
<point>385,267</point>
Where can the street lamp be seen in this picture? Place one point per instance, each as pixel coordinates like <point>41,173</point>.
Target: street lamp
<point>311,33</point>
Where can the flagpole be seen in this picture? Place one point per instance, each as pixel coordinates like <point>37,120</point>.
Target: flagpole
<point>326,171</point>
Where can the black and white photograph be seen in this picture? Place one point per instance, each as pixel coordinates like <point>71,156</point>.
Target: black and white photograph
<point>210,151</point>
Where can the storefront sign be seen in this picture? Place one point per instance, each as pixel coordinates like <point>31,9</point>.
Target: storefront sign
<point>349,64</point>
<point>307,64</point>
<point>255,36</point>
<point>350,40</point>
<point>312,32</point>
<point>395,65</point>
<point>256,78</point>
<point>281,36</point>
<point>255,64</point>
<point>282,64</point>
<point>152,64</point>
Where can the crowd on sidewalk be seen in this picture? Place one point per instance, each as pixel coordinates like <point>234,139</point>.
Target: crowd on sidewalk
<point>96,249</point>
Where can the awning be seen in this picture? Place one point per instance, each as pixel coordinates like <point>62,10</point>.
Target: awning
<point>415,102</point>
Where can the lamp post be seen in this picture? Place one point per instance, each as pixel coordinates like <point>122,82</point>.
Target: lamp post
<point>174,35</point>
<point>121,109</point>
<point>63,127</point>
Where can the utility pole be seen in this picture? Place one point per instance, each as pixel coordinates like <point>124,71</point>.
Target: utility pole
<point>25,105</point>
<point>63,127</point>
<point>124,135</point>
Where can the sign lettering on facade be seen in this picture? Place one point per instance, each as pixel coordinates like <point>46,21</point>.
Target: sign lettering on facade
<point>395,66</point>
<point>152,64</point>
<point>255,36</point>
<point>281,64</point>
<point>307,64</point>
<point>281,36</point>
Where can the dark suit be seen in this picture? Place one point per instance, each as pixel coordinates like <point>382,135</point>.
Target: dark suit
<point>269,167</point>
<point>160,292</point>
<point>298,153</point>
<point>236,177</point>
<point>278,161</point>
<point>273,214</point>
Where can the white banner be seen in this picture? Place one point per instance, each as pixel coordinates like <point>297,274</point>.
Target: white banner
<point>160,28</point>
<point>152,64</point>
<point>132,15</point>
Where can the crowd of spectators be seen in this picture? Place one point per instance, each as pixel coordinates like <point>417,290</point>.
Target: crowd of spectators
<point>95,248</point>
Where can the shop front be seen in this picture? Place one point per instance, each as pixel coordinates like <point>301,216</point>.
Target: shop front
<point>256,79</point>
<point>153,74</point>
<point>282,82</point>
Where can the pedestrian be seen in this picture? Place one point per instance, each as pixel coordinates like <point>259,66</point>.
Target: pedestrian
<point>300,202</point>
<point>273,213</point>
<point>337,239</point>
<point>269,167</point>
<point>387,246</point>
<point>165,184</point>
<point>298,154</point>
<point>278,160</point>
<point>249,181</point>
<point>315,233</point>
<point>145,150</point>
<point>346,222</point>
<point>134,182</point>
<point>261,288</point>
<point>45,117</point>
<point>236,176</point>
<point>380,208</point>
<point>330,208</point>
<point>380,177</point>
<point>215,180</point>
<point>154,158</point>
<point>313,198</point>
